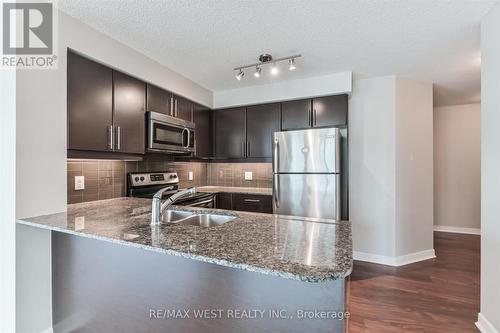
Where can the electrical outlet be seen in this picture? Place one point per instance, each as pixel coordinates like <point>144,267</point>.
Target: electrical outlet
<point>190,175</point>
<point>248,175</point>
<point>79,223</point>
<point>79,183</point>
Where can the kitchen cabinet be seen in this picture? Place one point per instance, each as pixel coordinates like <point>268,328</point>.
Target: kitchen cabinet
<point>326,111</point>
<point>230,133</point>
<point>262,122</point>
<point>224,201</point>
<point>129,114</point>
<point>202,118</point>
<point>296,114</point>
<point>158,99</point>
<point>181,108</point>
<point>90,104</point>
<point>329,111</point>
<point>257,203</point>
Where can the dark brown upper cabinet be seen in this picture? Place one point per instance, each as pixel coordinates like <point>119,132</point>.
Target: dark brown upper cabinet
<point>202,118</point>
<point>158,99</point>
<point>262,121</point>
<point>329,111</point>
<point>230,133</point>
<point>181,108</point>
<point>296,114</point>
<point>90,104</point>
<point>129,114</point>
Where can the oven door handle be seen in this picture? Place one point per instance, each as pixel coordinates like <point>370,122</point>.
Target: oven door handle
<point>201,202</point>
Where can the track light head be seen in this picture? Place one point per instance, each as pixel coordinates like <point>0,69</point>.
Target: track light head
<point>257,71</point>
<point>274,70</point>
<point>291,64</point>
<point>240,75</point>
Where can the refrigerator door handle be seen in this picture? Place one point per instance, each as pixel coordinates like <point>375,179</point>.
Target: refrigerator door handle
<point>276,155</point>
<point>276,187</point>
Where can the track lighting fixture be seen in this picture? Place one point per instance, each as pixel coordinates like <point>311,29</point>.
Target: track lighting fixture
<point>265,59</point>
<point>257,71</point>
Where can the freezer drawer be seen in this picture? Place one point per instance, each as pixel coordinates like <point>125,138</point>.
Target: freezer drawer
<point>307,151</point>
<point>311,195</point>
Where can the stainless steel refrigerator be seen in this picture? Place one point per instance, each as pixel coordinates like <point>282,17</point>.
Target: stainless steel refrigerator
<point>307,173</point>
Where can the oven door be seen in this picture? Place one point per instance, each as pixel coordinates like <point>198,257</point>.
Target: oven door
<point>170,135</point>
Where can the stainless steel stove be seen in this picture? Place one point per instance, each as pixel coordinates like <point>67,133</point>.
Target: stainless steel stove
<point>146,184</point>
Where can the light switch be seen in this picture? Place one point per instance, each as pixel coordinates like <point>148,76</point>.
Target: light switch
<point>190,175</point>
<point>248,175</point>
<point>79,183</point>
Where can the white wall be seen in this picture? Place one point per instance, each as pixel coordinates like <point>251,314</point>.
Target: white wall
<point>41,155</point>
<point>7,199</point>
<point>414,167</point>
<point>457,167</point>
<point>390,173</point>
<point>332,84</point>
<point>372,164</point>
<point>490,175</point>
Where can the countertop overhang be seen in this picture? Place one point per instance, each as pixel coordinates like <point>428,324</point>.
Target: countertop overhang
<point>298,248</point>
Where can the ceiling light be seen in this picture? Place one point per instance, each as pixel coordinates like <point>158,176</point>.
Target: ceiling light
<point>291,64</point>
<point>257,71</point>
<point>240,75</point>
<point>274,69</point>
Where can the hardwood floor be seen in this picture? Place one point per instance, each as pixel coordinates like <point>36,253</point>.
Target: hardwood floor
<point>437,295</point>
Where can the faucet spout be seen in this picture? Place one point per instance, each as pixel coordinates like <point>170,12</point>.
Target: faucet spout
<point>158,207</point>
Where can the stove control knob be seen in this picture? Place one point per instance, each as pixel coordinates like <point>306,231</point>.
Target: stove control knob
<point>136,179</point>
<point>142,179</point>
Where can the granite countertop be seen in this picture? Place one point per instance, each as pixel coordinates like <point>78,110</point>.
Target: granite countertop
<point>233,189</point>
<point>304,249</point>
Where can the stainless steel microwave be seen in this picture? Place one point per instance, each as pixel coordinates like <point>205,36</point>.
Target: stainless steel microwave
<point>170,135</point>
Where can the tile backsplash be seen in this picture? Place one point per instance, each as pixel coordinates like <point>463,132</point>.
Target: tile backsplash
<point>233,174</point>
<point>105,179</point>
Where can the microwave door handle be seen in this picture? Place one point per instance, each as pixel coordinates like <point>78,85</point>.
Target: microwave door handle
<point>189,138</point>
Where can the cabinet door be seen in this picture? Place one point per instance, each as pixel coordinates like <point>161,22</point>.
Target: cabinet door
<point>330,111</point>
<point>296,115</point>
<point>224,201</point>
<point>129,115</point>
<point>202,118</point>
<point>262,122</point>
<point>90,104</point>
<point>252,203</point>
<point>230,133</point>
<point>158,100</point>
<point>183,108</point>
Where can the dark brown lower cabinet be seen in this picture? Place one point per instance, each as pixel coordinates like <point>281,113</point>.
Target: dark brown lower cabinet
<point>257,203</point>
<point>224,201</point>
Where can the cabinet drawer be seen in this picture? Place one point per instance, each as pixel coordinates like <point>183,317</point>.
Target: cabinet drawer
<point>252,203</point>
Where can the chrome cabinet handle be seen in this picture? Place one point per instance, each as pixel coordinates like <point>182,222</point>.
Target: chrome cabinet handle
<point>242,148</point>
<point>118,138</point>
<point>314,117</point>
<point>176,110</point>
<point>110,137</point>
<point>171,106</point>
<point>248,149</point>
<point>251,200</point>
<point>309,118</point>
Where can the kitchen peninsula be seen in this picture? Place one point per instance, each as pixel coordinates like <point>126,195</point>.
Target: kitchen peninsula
<point>112,270</point>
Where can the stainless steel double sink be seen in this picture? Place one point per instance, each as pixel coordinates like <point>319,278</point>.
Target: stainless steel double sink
<point>180,217</point>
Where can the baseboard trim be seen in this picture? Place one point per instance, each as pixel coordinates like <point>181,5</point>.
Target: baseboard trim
<point>48,330</point>
<point>395,261</point>
<point>457,230</point>
<point>484,325</point>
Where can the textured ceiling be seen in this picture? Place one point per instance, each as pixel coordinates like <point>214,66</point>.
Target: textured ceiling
<point>431,40</point>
